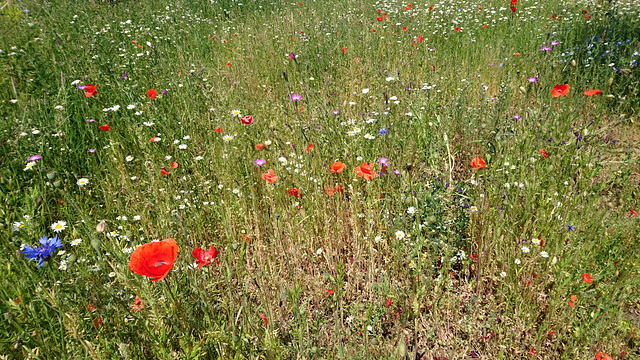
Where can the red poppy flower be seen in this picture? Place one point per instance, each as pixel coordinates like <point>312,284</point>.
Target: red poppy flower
<point>154,259</point>
<point>634,213</point>
<point>228,64</point>
<point>485,26</point>
<point>344,49</point>
<point>365,170</point>
<point>90,90</point>
<point>259,146</point>
<point>602,356</point>
<point>155,139</point>
<point>247,119</point>
<point>104,127</point>
<point>337,188</point>
<point>574,298</point>
<point>478,163</point>
<point>294,192</point>
<point>389,302</point>
<point>152,93</point>
<point>513,9</point>
<point>174,165</point>
<point>379,18</point>
<point>544,153</point>
<point>420,38</point>
<point>218,130</point>
<point>264,318</point>
<point>337,167</point>
<point>204,257</point>
<point>164,172</point>
<point>587,278</point>
<point>330,291</point>
<point>592,92</point>
<point>514,2</point>
<point>309,148</point>
<point>457,28</point>
<point>559,90</point>
<point>270,176</point>
<point>137,304</point>
<point>404,28</point>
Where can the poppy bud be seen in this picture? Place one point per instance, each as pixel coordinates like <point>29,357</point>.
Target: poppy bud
<point>72,259</point>
<point>100,227</point>
<point>574,63</point>
<point>523,90</point>
<point>610,80</point>
<point>57,183</point>
<point>51,175</point>
<point>95,243</point>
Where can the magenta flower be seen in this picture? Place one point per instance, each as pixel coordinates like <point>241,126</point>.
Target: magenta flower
<point>336,112</point>
<point>516,116</point>
<point>91,150</point>
<point>532,80</point>
<point>382,161</point>
<point>34,157</point>
<point>554,43</point>
<point>90,120</point>
<point>260,162</point>
<point>295,97</point>
<point>397,172</point>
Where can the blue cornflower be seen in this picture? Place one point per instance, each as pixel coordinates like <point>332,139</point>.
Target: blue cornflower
<point>382,131</point>
<point>571,228</point>
<point>44,252</point>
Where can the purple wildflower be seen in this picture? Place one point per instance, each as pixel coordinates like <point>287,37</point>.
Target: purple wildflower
<point>295,97</point>
<point>91,150</point>
<point>516,116</point>
<point>34,157</point>
<point>382,161</point>
<point>532,79</point>
<point>260,162</point>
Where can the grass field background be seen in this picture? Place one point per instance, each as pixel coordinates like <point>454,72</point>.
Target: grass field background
<point>429,259</point>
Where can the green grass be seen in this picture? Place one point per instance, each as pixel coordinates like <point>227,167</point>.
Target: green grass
<point>330,273</point>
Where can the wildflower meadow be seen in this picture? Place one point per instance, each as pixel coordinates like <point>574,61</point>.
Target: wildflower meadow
<point>284,179</point>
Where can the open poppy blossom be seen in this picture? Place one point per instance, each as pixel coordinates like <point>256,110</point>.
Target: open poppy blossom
<point>90,90</point>
<point>602,356</point>
<point>344,49</point>
<point>270,176</point>
<point>164,172</point>
<point>592,92</point>
<point>218,130</point>
<point>365,170</point>
<point>478,163</point>
<point>154,259</point>
<point>513,9</point>
<point>587,278</point>
<point>259,146</point>
<point>544,153</point>
<point>559,90</point>
<point>337,167</point>
<point>152,93</point>
<point>309,148</point>
<point>104,127</point>
<point>204,257</point>
<point>138,304</point>
<point>174,165</point>
<point>247,119</point>
<point>337,188</point>
<point>294,192</point>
